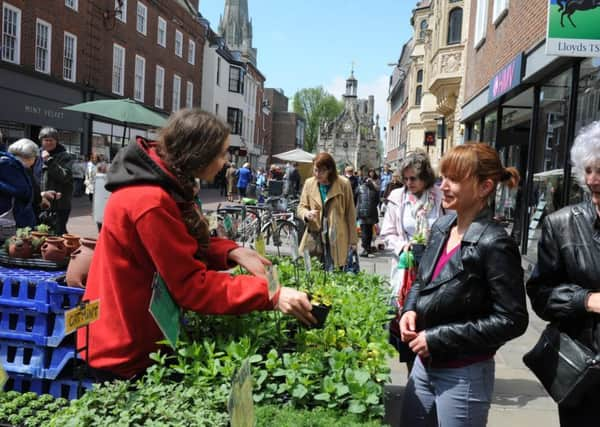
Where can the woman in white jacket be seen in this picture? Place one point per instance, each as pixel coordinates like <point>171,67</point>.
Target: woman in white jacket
<point>411,210</point>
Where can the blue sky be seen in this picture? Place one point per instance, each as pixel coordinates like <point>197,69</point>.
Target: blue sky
<point>308,43</point>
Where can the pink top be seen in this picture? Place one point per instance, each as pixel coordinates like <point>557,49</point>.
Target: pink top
<point>443,260</point>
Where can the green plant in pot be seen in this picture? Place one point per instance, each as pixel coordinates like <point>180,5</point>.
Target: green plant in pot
<point>417,246</point>
<point>321,304</point>
<point>38,237</point>
<point>20,245</point>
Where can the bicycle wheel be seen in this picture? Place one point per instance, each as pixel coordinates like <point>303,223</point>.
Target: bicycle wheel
<point>286,238</point>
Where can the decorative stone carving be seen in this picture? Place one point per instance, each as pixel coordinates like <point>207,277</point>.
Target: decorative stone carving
<point>450,63</point>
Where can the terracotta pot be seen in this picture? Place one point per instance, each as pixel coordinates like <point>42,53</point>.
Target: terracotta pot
<point>72,242</point>
<point>38,234</point>
<point>54,249</point>
<point>79,265</point>
<point>20,248</point>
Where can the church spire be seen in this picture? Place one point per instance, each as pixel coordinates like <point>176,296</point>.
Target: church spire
<point>236,29</point>
<point>351,85</point>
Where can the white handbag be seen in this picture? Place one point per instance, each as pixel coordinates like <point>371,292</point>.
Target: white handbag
<point>8,225</point>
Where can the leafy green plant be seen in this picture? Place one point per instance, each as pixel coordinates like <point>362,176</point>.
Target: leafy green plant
<point>285,416</point>
<point>42,228</point>
<point>23,233</point>
<point>28,409</point>
<point>419,238</point>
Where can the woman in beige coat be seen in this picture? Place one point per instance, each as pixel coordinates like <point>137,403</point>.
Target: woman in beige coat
<point>327,208</point>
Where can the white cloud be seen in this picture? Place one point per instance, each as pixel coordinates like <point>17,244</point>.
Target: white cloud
<point>378,88</point>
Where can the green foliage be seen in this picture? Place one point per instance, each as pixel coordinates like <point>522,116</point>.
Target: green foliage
<point>315,105</point>
<point>284,416</point>
<point>28,409</point>
<point>42,228</point>
<point>145,403</point>
<point>419,238</point>
<point>23,233</point>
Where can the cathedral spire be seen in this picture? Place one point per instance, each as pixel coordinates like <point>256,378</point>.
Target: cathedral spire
<point>236,29</point>
<point>351,85</point>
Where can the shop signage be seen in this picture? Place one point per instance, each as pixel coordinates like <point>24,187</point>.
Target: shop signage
<point>507,78</point>
<point>82,315</point>
<point>429,139</point>
<point>573,28</point>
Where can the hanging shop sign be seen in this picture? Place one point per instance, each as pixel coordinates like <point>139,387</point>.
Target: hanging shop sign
<point>429,139</point>
<point>506,79</point>
<point>573,28</point>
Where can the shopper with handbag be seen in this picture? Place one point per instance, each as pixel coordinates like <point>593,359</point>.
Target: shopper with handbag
<point>468,298</point>
<point>565,286</point>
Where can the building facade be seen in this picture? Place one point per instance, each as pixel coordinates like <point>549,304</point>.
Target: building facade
<point>288,128</point>
<point>433,118</point>
<point>530,106</point>
<point>352,138</point>
<point>61,52</point>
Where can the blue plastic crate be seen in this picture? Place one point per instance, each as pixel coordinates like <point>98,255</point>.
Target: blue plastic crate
<point>45,329</point>
<point>43,296</point>
<point>62,387</point>
<point>39,361</point>
<point>30,274</point>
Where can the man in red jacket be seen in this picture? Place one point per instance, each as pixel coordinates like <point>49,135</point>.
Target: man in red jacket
<point>151,225</point>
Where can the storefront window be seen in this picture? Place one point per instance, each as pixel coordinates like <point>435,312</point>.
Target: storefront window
<point>489,128</point>
<point>550,148</point>
<point>476,131</point>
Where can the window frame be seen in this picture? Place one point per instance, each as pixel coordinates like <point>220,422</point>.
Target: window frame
<point>122,14</point>
<point>160,104</point>
<point>177,79</point>
<point>418,94</point>
<point>191,52</point>
<point>74,59</point>
<point>453,12</point>
<point>121,80</point>
<point>500,9</point>
<point>141,6</point>
<point>74,6</point>
<point>179,38</point>
<point>189,94</point>
<point>139,87</point>
<point>17,35</point>
<point>48,63</point>
<point>218,71</point>
<point>480,23</point>
<point>158,32</point>
<point>239,87</point>
<point>235,118</point>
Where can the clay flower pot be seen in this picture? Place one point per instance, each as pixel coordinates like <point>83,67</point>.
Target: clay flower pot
<point>79,265</point>
<point>20,247</point>
<point>72,242</point>
<point>54,249</point>
<point>38,234</point>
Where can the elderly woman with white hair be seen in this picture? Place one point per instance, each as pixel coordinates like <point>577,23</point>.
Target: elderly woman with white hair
<point>565,286</point>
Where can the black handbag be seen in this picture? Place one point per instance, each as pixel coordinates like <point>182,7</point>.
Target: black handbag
<point>566,368</point>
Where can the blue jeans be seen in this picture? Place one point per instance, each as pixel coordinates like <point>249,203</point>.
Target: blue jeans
<point>460,397</point>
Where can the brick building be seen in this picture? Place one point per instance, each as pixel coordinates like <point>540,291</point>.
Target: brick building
<point>287,128</point>
<point>529,105</point>
<point>60,52</point>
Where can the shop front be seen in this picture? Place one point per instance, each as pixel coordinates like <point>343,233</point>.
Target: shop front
<point>28,103</point>
<point>532,111</point>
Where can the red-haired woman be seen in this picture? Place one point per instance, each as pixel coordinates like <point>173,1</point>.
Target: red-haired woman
<point>468,299</point>
<point>327,207</point>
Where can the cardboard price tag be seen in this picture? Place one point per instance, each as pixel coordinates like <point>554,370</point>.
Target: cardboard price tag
<point>273,277</point>
<point>213,221</point>
<point>260,245</point>
<point>241,403</point>
<point>81,315</point>
<point>165,310</point>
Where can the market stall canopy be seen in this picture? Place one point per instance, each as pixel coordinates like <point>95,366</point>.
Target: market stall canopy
<point>296,155</point>
<point>123,110</point>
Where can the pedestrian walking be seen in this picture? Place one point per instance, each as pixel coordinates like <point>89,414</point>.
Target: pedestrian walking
<point>244,178</point>
<point>293,181</point>
<point>79,167</point>
<point>152,197</point>
<point>90,176</point>
<point>57,175</point>
<point>366,211</point>
<point>468,298</point>
<point>231,179</point>
<point>563,287</point>
<point>327,208</point>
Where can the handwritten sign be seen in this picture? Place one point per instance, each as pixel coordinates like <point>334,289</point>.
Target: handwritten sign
<point>81,315</point>
<point>241,404</point>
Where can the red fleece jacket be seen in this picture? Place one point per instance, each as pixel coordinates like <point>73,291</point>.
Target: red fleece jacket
<point>143,232</point>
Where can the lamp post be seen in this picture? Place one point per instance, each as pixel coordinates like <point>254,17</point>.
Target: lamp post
<point>441,131</point>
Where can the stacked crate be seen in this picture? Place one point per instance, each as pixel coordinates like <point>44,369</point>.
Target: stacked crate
<point>34,349</point>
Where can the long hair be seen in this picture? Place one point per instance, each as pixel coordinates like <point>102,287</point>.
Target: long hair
<point>479,161</point>
<point>324,160</point>
<point>188,143</point>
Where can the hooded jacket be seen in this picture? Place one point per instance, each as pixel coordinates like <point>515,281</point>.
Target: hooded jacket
<point>16,184</point>
<point>143,232</point>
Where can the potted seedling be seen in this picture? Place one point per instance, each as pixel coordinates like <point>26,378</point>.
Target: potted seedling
<point>38,237</point>
<point>321,305</point>
<point>417,246</point>
<point>20,245</point>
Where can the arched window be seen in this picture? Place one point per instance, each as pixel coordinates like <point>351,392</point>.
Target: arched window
<point>418,94</point>
<point>422,29</point>
<point>455,25</point>
<point>420,76</point>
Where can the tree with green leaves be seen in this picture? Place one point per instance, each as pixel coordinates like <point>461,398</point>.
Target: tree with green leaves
<point>315,105</point>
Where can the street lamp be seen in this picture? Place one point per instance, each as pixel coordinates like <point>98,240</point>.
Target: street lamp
<point>441,131</point>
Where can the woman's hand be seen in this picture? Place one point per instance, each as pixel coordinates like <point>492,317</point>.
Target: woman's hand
<point>408,323</point>
<point>250,260</point>
<point>312,215</point>
<point>419,345</point>
<point>295,303</point>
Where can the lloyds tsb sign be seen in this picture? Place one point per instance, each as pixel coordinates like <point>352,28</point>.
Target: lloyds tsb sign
<point>573,28</point>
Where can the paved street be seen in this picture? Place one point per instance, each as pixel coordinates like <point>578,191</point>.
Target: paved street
<point>519,400</point>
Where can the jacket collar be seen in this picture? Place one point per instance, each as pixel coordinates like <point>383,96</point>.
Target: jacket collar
<point>475,230</point>
<point>334,191</point>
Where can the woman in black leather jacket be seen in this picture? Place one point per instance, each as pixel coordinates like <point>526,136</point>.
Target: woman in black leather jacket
<point>565,286</point>
<point>468,299</point>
